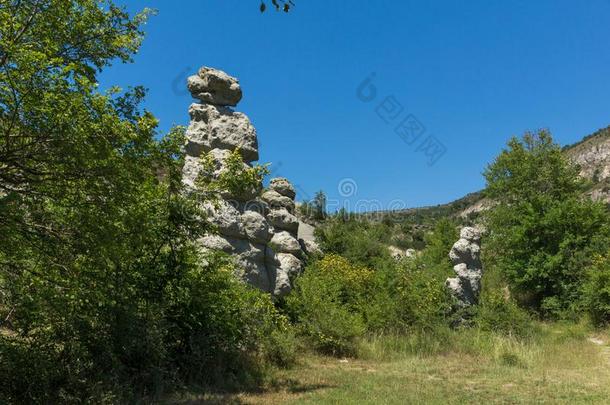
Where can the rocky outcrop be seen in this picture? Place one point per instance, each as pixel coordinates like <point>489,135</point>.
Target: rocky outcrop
<point>399,254</point>
<point>592,155</point>
<point>214,86</point>
<point>257,228</point>
<point>215,127</point>
<point>466,258</point>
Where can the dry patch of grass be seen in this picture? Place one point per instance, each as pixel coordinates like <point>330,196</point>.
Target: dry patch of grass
<point>562,366</point>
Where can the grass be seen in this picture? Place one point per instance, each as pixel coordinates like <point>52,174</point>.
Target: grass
<point>561,364</point>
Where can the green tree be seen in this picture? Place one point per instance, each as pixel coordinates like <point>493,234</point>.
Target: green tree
<point>318,205</point>
<point>439,243</point>
<point>543,232</point>
<point>360,241</point>
<point>99,278</point>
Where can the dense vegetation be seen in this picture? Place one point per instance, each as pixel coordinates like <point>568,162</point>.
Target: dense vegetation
<point>105,298</point>
<point>543,232</point>
<point>102,294</point>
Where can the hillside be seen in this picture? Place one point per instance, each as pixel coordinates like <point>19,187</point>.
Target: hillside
<point>592,154</point>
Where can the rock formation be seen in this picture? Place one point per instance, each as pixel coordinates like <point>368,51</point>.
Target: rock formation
<point>258,228</point>
<point>466,258</point>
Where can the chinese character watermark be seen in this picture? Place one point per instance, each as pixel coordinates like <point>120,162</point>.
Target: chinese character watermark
<point>406,125</point>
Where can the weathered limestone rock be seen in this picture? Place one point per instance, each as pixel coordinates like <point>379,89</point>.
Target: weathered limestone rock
<point>282,286</point>
<point>283,187</point>
<point>290,263</point>
<point>258,230</point>
<point>283,220</point>
<point>277,201</point>
<point>216,242</point>
<point>399,254</point>
<point>310,247</point>
<point>285,267</point>
<point>466,257</point>
<point>190,171</point>
<point>214,127</point>
<point>256,205</point>
<point>283,242</point>
<point>256,227</point>
<point>215,87</point>
<point>225,217</point>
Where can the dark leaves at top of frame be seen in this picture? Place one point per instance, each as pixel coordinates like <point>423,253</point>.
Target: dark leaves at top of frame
<point>284,5</point>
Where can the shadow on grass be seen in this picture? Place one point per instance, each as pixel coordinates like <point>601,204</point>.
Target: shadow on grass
<point>289,386</point>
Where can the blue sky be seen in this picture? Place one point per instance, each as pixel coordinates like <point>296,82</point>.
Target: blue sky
<point>472,73</point>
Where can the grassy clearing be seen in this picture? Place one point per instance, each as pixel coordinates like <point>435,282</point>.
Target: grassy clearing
<point>560,364</point>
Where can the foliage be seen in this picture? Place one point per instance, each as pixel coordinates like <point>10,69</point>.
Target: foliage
<point>335,302</point>
<point>102,297</point>
<point>498,313</point>
<point>438,244</point>
<point>208,328</point>
<point>284,5</point>
<point>361,242</point>
<point>326,304</point>
<point>543,233</point>
<point>596,291</point>
<point>236,178</point>
<point>314,210</point>
<point>223,332</point>
<point>408,297</point>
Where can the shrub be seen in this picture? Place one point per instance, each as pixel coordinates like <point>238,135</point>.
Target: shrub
<point>327,304</point>
<point>542,232</point>
<point>438,244</point>
<point>422,297</point>
<point>236,178</point>
<point>596,291</point>
<point>335,302</point>
<point>359,241</point>
<point>406,297</point>
<point>224,332</point>
<point>497,313</point>
<point>207,329</point>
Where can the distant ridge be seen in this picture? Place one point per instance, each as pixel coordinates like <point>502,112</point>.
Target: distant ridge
<point>591,153</point>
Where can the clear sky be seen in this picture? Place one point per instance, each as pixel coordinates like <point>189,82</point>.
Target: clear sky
<point>472,73</point>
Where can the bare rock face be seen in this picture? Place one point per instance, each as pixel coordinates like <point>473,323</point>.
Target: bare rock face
<point>278,201</point>
<point>258,229</point>
<point>226,218</point>
<point>283,242</point>
<point>214,86</point>
<point>310,247</point>
<point>283,187</point>
<point>283,220</point>
<point>214,127</point>
<point>466,258</point>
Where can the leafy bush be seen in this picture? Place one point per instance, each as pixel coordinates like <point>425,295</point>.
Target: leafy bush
<point>438,244</point>
<point>236,178</point>
<point>422,297</point>
<point>359,241</point>
<point>335,302</point>
<point>206,328</point>
<point>406,297</point>
<point>222,331</point>
<point>326,304</point>
<point>542,232</point>
<point>497,313</point>
<point>596,291</point>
